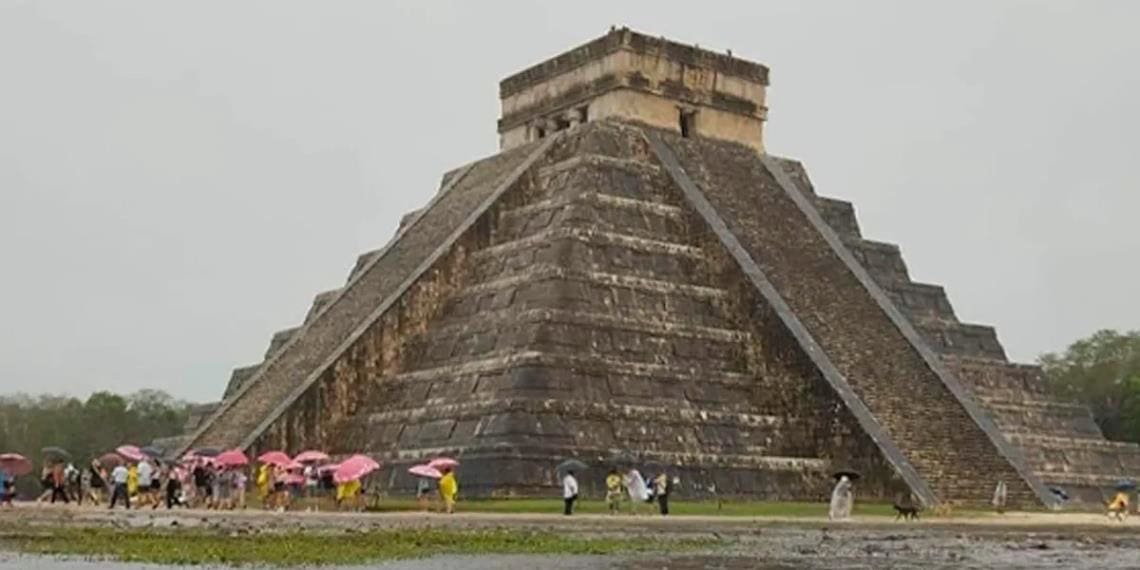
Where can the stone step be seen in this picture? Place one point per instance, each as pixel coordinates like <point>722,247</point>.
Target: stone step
<point>321,301</point>
<point>842,320</point>
<point>840,215</point>
<point>238,378</point>
<point>285,377</point>
<point>960,339</point>
<point>997,378</point>
<point>279,339</point>
<point>883,261</point>
<point>595,210</point>
<point>921,300</point>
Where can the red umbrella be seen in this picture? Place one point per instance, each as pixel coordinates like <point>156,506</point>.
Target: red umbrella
<point>130,452</point>
<point>425,471</point>
<point>15,464</point>
<point>278,458</point>
<point>442,463</point>
<point>311,456</point>
<point>232,458</point>
<point>354,468</point>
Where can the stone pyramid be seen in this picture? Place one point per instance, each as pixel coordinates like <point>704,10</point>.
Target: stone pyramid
<point>635,279</point>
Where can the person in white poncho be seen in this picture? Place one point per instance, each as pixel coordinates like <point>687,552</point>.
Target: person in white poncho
<point>841,500</point>
<point>638,490</point>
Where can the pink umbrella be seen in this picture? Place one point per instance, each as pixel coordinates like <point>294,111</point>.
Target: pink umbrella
<point>443,463</point>
<point>277,458</point>
<point>328,467</point>
<point>15,464</point>
<point>130,452</point>
<point>425,471</point>
<point>354,468</point>
<point>311,456</point>
<point>293,479</point>
<point>232,458</point>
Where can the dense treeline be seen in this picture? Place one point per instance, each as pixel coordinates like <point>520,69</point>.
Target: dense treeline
<point>1102,372</point>
<point>88,428</point>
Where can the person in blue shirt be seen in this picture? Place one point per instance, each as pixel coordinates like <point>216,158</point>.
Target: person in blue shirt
<point>7,488</point>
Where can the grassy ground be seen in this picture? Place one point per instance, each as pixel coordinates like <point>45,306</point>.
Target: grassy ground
<point>299,549</point>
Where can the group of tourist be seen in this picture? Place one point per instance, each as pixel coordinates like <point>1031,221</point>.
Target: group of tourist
<point>620,486</point>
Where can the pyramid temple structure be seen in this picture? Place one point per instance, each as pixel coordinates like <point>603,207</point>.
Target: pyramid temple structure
<point>634,278</point>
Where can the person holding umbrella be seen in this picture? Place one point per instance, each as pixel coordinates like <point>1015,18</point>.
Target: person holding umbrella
<point>425,474</point>
<point>569,492</point>
<point>1118,506</point>
<point>448,489</point>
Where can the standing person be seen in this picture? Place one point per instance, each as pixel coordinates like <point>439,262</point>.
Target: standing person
<point>72,483</point>
<point>263,482</point>
<point>999,497</point>
<point>638,490</point>
<point>841,500</point>
<point>202,485</point>
<point>614,491</point>
<point>7,489</point>
<point>310,475</point>
<point>173,488</point>
<point>569,492</point>
<point>423,492</point>
<point>662,485</point>
<point>133,480</point>
<point>58,483</point>
<point>448,490</point>
<point>96,481</point>
<point>145,474</point>
<point>120,476</point>
<point>240,481</point>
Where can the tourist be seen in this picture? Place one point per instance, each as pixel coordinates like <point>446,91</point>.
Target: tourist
<point>96,481</point>
<point>1118,507</point>
<point>120,477</point>
<point>203,484</point>
<point>638,491</point>
<point>71,483</point>
<point>569,492</point>
<point>448,490</point>
<point>263,482</point>
<point>348,495</point>
<point>841,500</point>
<point>45,483</point>
<point>614,491</point>
<point>133,480</point>
<point>146,475</point>
<point>999,497</point>
<point>7,489</point>
<point>662,485</point>
<point>58,483</point>
<point>239,483</point>
<point>423,493</point>
<point>173,489</point>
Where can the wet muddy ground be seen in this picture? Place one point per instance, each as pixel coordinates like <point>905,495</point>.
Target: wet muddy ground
<point>1075,541</point>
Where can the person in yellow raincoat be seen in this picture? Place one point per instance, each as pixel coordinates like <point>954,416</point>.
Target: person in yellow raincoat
<point>263,482</point>
<point>1118,507</point>
<point>347,493</point>
<point>133,480</point>
<point>448,490</point>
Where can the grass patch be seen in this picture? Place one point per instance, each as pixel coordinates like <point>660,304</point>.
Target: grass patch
<point>299,549</point>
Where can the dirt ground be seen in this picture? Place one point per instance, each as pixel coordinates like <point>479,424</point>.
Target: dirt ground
<point>1015,540</point>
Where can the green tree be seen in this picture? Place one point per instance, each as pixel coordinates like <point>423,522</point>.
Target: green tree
<point>1103,372</point>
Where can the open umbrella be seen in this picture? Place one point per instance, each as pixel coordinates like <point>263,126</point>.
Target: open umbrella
<point>207,452</point>
<point>232,458</point>
<point>1059,493</point>
<point>328,467</point>
<point>130,452</point>
<point>571,465</point>
<point>111,460</point>
<point>151,451</point>
<point>425,471</point>
<point>311,456</point>
<point>354,468</point>
<point>55,454</point>
<point>849,473</point>
<point>1125,485</point>
<point>442,463</point>
<point>278,458</point>
<point>15,464</point>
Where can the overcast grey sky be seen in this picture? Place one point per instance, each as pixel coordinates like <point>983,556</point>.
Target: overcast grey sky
<point>178,179</point>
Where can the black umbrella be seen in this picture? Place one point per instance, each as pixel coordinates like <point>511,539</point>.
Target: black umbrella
<point>571,465</point>
<point>151,451</point>
<point>207,452</point>
<point>1059,493</point>
<point>849,473</point>
<point>53,453</point>
<point>1125,485</point>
